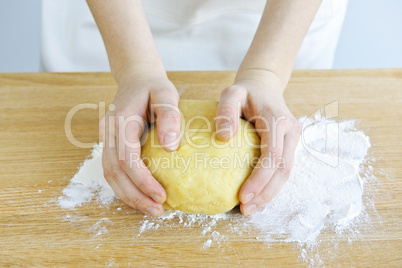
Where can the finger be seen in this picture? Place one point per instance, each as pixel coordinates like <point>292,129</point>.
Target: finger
<point>125,189</point>
<point>129,132</point>
<point>278,180</point>
<point>271,155</point>
<point>231,101</point>
<point>165,106</point>
<point>121,184</point>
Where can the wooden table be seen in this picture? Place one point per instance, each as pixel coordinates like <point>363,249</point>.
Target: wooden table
<point>37,161</point>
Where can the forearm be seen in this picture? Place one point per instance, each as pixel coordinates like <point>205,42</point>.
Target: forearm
<point>280,33</point>
<point>127,37</point>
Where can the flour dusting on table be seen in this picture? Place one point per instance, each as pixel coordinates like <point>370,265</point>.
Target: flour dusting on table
<point>326,191</point>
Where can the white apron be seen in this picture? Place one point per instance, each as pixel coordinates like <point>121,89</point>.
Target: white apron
<point>189,34</point>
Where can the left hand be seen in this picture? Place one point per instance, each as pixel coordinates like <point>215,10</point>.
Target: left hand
<point>258,97</point>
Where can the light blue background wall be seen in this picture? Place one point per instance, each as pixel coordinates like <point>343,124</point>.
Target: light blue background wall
<point>371,36</point>
<point>19,35</point>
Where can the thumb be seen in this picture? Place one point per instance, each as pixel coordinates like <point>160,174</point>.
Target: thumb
<point>165,106</point>
<point>229,111</point>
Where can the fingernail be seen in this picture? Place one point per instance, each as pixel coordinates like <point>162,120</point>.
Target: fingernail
<point>171,137</point>
<point>250,209</point>
<point>157,198</point>
<point>224,130</point>
<point>153,211</point>
<point>248,198</point>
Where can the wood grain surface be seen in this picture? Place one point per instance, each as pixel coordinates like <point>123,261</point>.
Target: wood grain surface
<point>37,161</point>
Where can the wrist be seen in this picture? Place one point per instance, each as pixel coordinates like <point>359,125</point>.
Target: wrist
<point>263,77</point>
<point>139,72</point>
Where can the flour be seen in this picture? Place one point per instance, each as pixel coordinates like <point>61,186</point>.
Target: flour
<point>325,192</point>
<point>317,195</point>
<point>88,183</point>
<point>100,227</point>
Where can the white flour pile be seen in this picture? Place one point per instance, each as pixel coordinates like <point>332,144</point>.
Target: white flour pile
<point>324,192</point>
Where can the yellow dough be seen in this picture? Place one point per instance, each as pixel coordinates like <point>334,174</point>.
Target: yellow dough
<point>204,174</point>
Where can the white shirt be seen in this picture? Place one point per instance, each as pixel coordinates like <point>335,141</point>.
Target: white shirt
<point>189,34</point>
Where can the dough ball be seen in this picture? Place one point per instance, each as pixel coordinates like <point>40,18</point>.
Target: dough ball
<point>204,175</point>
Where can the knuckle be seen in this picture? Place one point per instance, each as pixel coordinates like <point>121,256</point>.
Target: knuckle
<point>264,199</point>
<point>258,184</point>
<point>275,151</point>
<point>275,154</point>
<point>111,172</point>
<point>170,114</point>
<point>124,163</point>
<point>233,90</point>
<point>144,185</point>
<point>226,112</point>
<point>132,201</point>
<point>225,109</point>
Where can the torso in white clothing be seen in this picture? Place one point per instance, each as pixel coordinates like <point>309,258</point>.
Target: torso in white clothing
<point>189,34</point>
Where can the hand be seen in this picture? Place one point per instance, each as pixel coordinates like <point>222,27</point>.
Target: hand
<point>257,96</point>
<point>121,130</point>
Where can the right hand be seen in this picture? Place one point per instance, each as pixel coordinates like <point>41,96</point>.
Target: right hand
<point>123,168</point>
